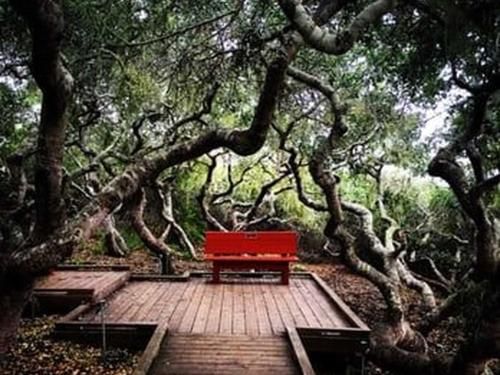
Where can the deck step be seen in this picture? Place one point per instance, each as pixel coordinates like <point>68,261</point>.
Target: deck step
<point>199,354</point>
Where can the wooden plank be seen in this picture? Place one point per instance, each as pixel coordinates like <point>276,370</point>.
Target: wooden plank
<point>149,301</point>
<point>274,315</point>
<point>239,324</point>
<point>86,280</point>
<point>200,354</point>
<point>335,315</point>
<point>283,310</point>
<point>166,300</point>
<point>135,305</point>
<point>258,360</point>
<point>318,310</point>
<point>261,311</point>
<point>162,299</point>
<point>76,313</point>
<point>343,340</point>
<point>131,301</point>
<point>188,320</point>
<point>251,349</point>
<point>151,351</point>
<point>114,285</point>
<point>181,308</point>
<point>215,310</point>
<point>65,292</point>
<point>67,281</point>
<point>300,352</point>
<point>251,325</point>
<point>55,280</point>
<point>91,267</point>
<point>155,277</point>
<point>202,317</point>
<point>235,339</point>
<point>121,301</point>
<point>303,305</point>
<point>297,315</point>
<point>93,280</point>
<point>173,301</point>
<point>231,369</point>
<point>226,323</point>
<point>227,351</point>
<point>224,350</point>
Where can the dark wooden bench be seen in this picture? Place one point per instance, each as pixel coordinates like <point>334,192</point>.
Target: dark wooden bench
<point>269,251</point>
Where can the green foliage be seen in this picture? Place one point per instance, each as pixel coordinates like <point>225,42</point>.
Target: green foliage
<point>137,90</point>
<point>132,58</point>
<point>187,186</point>
<point>358,189</point>
<point>131,238</point>
<point>18,116</point>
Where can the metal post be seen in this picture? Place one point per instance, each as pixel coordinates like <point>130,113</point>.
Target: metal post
<point>34,302</point>
<point>102,306</point>
<point>163,264</point>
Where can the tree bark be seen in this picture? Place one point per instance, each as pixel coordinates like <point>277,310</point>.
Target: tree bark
<point>167,213</point>
<point>322,39</point>
<point>46,23</point>
<point>483,343</point>
<point>473,356</point>
<point>156,245</point>
<point>26,263</point>
<point>115,243</point>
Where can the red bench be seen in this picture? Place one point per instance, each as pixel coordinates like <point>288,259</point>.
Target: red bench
<point>270,251</point>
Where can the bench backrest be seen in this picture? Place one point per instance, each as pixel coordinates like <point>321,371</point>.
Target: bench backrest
<point>236,243</point>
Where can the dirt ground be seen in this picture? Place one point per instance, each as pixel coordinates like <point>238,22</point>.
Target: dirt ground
<point>36,353</point>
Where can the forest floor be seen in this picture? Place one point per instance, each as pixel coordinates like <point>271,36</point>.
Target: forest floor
<point>36,353</point>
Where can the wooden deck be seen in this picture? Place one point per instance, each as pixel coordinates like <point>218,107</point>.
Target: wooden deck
<point>63,288</point>
<point>245,325</point>
<point>250,307</point>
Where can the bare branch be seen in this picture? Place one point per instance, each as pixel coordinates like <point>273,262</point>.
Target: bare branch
<point>174,33</point>
<point>322,39</point>
<point>485,186</point>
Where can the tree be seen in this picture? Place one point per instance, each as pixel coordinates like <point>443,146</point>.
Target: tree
<point>474,357</point>
<point>53,240</point>
<point>159,85</point>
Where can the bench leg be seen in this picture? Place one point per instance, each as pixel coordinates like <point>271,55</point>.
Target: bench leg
<point>285,275</point>
<point>216,274</point>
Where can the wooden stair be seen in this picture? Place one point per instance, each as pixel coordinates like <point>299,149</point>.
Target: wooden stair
<point>218,355</point>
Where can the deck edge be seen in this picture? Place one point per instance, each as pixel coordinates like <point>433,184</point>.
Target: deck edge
<point>151,351</point>
<point>300,352</point>
<point>334,297</point>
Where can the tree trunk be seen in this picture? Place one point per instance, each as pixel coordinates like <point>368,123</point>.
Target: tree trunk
<point>167,214</point>
<point>115,243</point>
<point>53,243</point>
<point>483,343</point>
<point>156,245</point>
<point>46,23</point>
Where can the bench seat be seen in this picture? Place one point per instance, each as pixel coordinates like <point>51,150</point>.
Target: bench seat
<point>252,258</point>
<point>266,251</point>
